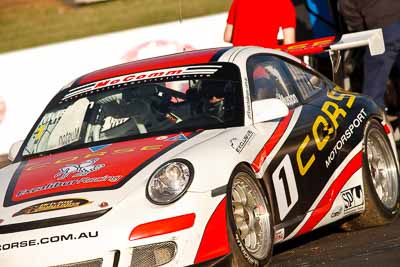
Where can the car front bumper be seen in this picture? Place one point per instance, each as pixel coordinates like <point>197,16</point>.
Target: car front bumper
<point>149,236</point>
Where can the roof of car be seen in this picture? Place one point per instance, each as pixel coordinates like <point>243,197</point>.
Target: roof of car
<point>179,59</point>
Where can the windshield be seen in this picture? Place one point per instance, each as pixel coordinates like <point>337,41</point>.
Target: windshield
<point>138,109</point>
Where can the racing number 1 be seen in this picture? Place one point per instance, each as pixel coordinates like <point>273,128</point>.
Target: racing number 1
<point>285,187</point>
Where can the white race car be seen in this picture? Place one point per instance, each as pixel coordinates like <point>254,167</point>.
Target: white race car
<point>204,157</point>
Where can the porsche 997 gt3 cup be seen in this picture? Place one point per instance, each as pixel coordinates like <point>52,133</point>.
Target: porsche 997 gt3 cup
<point>194,158</point>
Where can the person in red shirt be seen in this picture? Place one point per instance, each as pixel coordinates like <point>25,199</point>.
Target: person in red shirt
<point>257,22</point>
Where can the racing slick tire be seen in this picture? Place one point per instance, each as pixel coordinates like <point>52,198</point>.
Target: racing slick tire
<point>250,225</point>
<point>380,179</point>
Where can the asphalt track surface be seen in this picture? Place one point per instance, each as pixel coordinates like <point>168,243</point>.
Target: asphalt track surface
<point>330,246</point>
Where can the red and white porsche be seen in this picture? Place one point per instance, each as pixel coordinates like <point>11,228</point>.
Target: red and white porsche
<point>201,157</point>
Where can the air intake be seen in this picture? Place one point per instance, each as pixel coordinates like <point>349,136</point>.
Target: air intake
<point>153,254</point>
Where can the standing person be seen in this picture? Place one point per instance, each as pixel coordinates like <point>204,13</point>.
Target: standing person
<point>257,22</point>
<point>372,14</point>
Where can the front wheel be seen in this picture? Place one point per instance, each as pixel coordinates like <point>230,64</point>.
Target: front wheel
<point>250,220</point>
<point>380,178</point>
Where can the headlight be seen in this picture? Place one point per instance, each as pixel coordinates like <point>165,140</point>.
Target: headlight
<point>169,182</point>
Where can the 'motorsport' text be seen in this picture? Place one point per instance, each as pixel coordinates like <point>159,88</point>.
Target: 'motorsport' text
<point>357,122</point>
<point>47,240</point>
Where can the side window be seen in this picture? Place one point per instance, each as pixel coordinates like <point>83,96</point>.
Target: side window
<point>307,82</point>
<point>268,79</point>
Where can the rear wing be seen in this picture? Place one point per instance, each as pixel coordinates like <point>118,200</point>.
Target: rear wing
<point>372,38</point>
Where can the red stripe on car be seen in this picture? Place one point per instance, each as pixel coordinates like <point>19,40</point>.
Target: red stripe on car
<point>214,242</point>
<point>271,143</point>
<point>179,59</point>
<point>162,227</point>
<point>326,202</point>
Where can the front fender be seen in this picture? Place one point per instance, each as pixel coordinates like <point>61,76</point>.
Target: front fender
<point>215,159</point>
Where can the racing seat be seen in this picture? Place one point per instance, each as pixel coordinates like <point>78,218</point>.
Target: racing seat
<point>115,122</point>
<point>112,120</point>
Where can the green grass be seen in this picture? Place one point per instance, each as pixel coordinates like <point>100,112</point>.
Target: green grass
<point>29,23</point>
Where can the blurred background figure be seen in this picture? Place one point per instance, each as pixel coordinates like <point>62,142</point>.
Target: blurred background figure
<point>257,22</point>
<point>362,15</point>
<point>264,86</point>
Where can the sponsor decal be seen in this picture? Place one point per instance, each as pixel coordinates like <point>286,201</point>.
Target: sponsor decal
<point>279,235</point>
<point>69,137</point>
<point>53,205</point>
<point>81,169</point>
<point>130,78</point>
<point>179,137</point>
<point>357,122</point>
<point>98,148</point>
<point>118,150</point>
<point>289,100</point>
<point>48,240</point>
<point>332,111</point>
<point>353,199</point>
<point>237,145</point>
<point>49,120</point>
<point>111,123</point>
<point>70,183</point>
<point>37,135</point>
<point>247,100</point>
<point>3,109</point>
<point>336,212</point>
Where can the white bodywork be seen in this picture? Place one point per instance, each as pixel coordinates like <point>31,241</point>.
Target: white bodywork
<point>104,236</point>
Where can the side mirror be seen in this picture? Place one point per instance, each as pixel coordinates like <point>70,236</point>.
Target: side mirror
<point>269,109</point>
<point>13,152</point>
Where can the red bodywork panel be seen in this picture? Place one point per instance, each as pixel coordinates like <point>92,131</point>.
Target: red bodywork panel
<point>326,202</point>
<point>215,242</point>
<point>271,142</point>
<point>162,227</point>
<point>180,59</point>
<point>86,169</point>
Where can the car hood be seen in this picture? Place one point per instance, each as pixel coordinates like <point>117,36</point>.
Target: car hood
<point>78,181</point>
